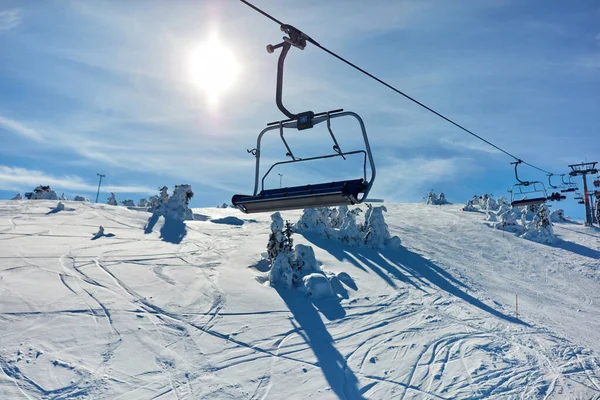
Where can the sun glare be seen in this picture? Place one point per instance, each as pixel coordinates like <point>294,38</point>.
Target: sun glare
<point>213,68</point>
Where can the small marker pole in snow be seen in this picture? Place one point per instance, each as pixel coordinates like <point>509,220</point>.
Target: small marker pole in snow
<point>517,306</point>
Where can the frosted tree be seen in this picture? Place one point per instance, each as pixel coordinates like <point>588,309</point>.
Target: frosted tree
<point>540,229</point>
<point>432,198</point>
<point>81,198</point>
<point>469,206</point>
<point>62,197</point>
<point>177,207</point>
<point>42,193</point>
<point>18,196</point>
<point>143,203</point>
<point>112,200</point>
<point>128,203</point>
<point>276,242</point>
<point>377,232</point>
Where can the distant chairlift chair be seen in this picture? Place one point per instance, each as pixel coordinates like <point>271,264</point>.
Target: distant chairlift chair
<point>569,187</point>
<point>555,196</point>
<point>519,192</point>
<point>307,196</point>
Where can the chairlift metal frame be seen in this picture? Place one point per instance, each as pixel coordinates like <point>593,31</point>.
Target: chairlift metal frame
<point>319,195</point>
<point>569,186</point>
<point>520,190</point>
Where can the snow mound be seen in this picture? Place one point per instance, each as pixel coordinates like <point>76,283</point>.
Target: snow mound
<point>558,216</point>
<point>42,193</point>
<point>60,206</point>
<point>317,286</point>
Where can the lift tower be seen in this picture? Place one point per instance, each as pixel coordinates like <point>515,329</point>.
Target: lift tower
<point>583,169</point>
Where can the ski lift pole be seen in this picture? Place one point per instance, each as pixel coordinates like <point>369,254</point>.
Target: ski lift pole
<point>99,183</point>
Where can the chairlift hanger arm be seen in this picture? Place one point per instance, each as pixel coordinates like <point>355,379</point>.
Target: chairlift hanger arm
<point>550,183</point>
<point>516,164</point>
<point>297,39</point>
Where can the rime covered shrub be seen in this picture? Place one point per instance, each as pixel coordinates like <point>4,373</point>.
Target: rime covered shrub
<point>376,231</point>
<point>42,193</point>
<point>342,224</point>
<point>18,196</point>
<point>470,206</point>
<point>290,266</point>
<point>174,207</point>
<point>112,200</point>
<point>540,228</point>
<point>128,203</point>
<point>434,199</point>
<point>143,203</point>
<point>80,198</point>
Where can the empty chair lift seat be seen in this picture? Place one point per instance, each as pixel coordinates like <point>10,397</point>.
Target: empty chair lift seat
<point>300,197</point>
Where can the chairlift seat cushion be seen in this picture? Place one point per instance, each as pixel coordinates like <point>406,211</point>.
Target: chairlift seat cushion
<point>528,202</point>
<point>300,197</point>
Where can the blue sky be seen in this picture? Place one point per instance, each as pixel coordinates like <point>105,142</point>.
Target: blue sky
<point>89,87</point>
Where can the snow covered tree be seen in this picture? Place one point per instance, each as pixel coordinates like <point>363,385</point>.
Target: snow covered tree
<point>128,203</point>
<point>143,203</point>
<point>42,193</point>
<point>112,200</point>
<point>81,198</point>
<point>432,198</point>
<point>177,205</point>
<point>18,196</point>
<point>469,206</point>
<point>277,239</point>
<point>540,229</point>
<point>377,232</point>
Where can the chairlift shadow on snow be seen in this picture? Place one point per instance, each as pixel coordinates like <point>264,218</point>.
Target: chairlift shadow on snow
<point>342,380</point>
<point>576,248</point>
<point>172,231</point>
<point>406,266</point>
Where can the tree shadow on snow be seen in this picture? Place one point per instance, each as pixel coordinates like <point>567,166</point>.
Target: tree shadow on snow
<point>342,380</point>
<point>404,265</point>
<point>172,231</point>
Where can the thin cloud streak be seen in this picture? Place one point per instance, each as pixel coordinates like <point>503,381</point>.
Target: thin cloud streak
<point>9,19</point>
<point>15,178</point>
<point>20,129</point>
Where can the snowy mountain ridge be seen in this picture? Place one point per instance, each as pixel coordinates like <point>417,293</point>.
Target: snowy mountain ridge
<point>156,310</point>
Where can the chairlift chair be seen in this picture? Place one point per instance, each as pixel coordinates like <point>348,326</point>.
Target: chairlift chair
<point>333,193</point>
<point>555,196</point>
<point>570,186</point>
<point>519,191</point>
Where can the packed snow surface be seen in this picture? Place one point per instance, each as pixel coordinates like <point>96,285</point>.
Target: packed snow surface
<point>119,312</point>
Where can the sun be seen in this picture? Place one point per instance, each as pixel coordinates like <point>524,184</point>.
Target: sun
<point>213,68</point>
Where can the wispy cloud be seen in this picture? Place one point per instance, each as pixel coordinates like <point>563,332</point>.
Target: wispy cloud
<point>21,179</point>
<point>18,128</point>
<point>9,19</point>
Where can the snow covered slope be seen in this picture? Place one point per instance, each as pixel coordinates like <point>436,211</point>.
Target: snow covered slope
<point>181,310</point>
